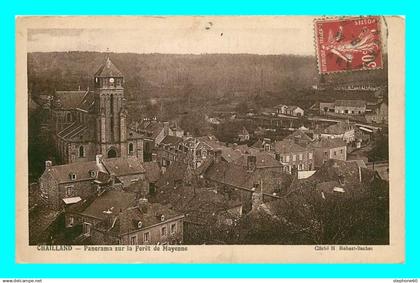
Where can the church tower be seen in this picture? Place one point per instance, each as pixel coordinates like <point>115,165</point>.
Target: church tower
<point>110,111</point>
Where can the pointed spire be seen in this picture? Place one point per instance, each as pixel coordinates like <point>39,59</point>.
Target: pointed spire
<point>108,69</point>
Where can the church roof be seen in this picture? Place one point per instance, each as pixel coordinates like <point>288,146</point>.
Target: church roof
<point>69,99</point>
<point>108,69</point>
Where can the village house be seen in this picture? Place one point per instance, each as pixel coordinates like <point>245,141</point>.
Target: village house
<point>61,185</point>
<point>293,156</point>
<point>299,137</point>
<point>207,211</point>
<point>377,113</point>
<point>88,123</point>
<point>117,217</point>
<point>243,135</point>
<point>263,144</point>
<point>291,110</point>
<point>344,106</point>
<point>325,149</point>
<point>251,171</point>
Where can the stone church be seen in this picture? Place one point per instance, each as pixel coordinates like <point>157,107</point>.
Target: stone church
<point>88,123</point>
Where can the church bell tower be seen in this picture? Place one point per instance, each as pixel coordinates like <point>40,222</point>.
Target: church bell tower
<point>110,110</point>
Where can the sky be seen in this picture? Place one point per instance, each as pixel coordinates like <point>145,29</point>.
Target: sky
<point>176,35</point>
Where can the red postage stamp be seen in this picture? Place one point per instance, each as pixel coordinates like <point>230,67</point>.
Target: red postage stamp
<point>347,44</point>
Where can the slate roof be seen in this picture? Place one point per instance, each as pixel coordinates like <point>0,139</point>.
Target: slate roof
<point>171,140</point>
<point>40,220</point>
<point>287,146</point>
<point>264,160</point>
<point>87,102</point>
<point>112,200</point>
<point>339,128</point>
<point>152,171</point>
<point>300,135</point>
<point>108,69</point>
<point>69,99</point>
<point>76,132</point>
<point>327,143</point>
<point>350,103</point>
<point>123,166</point>
<point>201,206</point>
<point>81,169</point>
<point>239,177</point>
<point>150,215</point>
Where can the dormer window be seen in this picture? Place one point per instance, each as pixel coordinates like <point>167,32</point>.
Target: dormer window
<point>139,224</point>
<point>92,173</point>
<point>162,218</point>
<point>72,176</point>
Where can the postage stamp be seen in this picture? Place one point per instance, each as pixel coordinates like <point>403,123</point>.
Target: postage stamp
<point>347,44</point>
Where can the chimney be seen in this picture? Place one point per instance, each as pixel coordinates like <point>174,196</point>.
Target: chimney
<point>218,155</point>
<point>112,180</point>
<point>142,204</point>
<point>98,159</point>
<point>257,196</point>
<point>48,164</point>
<point>108,217</point>
<point>166,128</point>
<point>251,162</point>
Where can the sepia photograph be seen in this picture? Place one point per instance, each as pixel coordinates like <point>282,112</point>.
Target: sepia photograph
<point>199,137</point>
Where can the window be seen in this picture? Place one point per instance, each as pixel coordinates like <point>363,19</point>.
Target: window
<point>146,237</point>
<point>325,153</point>
<point>310,155</point>
<point>163,231</point>
<point>72,176</point>
<point>133,240</point>
<point>173,228</point>
<point>300,166</point>
<point>81,151</point>
<point>300,156</point>
<point>287,158</point>
<point>130,148</point>
<point>71,221</point>
<point>294,157</point>
<point>335,153</point>
<point>69,191</point>
<point>68,117</point>
<point>341,151</point>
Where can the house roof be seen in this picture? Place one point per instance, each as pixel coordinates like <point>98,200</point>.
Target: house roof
<point>299,135</point>
<point>339,128</point>
<point>40,220</point>
<point>199,204</point>
<point>350,103</point>
<point>264,160</point>
<point>108,69</point>
<point>171,140</point>
<point>328,143</point>
<point>149,215</point>
<point>81,169</point>
<point>69,99</point>
<point>123,166</point>
<point>152,171</point>
<point>239,177</point>
<point>230,154</point>
<point>114,201</point>
<point>287,146</point>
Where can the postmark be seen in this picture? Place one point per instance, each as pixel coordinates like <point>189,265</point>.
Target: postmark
<point>348,44</point>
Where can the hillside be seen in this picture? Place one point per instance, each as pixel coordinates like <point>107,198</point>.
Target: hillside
<point>168,74</point>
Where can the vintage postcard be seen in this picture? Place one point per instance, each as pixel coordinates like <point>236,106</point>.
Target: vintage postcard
<point>212,139</point>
